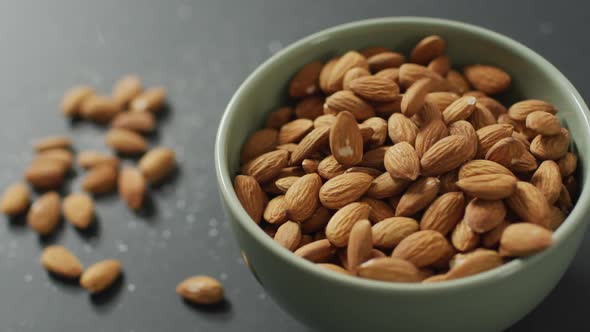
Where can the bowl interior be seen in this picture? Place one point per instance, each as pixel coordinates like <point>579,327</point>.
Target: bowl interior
<point>265,90</point>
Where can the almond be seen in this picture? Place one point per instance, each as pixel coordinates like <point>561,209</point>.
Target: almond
<point>374,158</point>
<point>65,157</point>
<point>374,88</point>
<point>488,186</point>
<point>529,204</point>
<point>45,174</point>
<point>414,97</point>
<point>310,165</point>
<point>551,147</point>
<point>201,290</point>
<point>460,109</point>
<point>318,251</point>
<point>284,183</point>
<point>444,213</point>
<point>316,140</point>
<point>100,276</point>
<point>301,199</point>
<point>402,129</point>
<point>74,98</point>
<point>445,155</point>
<point>276,210</point>
<point>267,166</point>
<point>15,199</point>
<point>401,161</point>
<point>522,109</point>
<point>568,164</point>
<point>442,99</point>
<point>448,180</point>
<point>389,269</point>
<point>556,218</point>
<point>548,179</point>
<point>389,73</point>
<point>421,248</point>
<point>353,74</point>
<point>389,232</point>
<point>526,163</point>
<point>333,268</point>
<point>279,118</point>
<point>78,209</point>
<point>464,238</point>
<point>473,263</point>
<point>564,202</point>
<point>52,142</point>
<point>141,122</point>
<point>347,61</point>
<point>490,135</point>
<point>379,127</point>
<point>325,74</point>
<point>379,209</point>
<point>429,135</point>
<point>418,196</point>
<point>310,107</point>
<point>329,168</point>
<point>157,164</point>
<point>524,239</point>
<point>428,49</point>
<point>126,89</point>
<point>491,239</point>
<point>385,186</point>
<point>489,79</point>
<point>360,243</point>
<point>370,51</point>
<point>45,213</point>
<point>288,235</point>
<point>346,142</point>
<point>60,261</point>
<point>100,179</point>
<point>98,108</point>
<point>458,82</point>
<point>347,101</point>
<point>250,196</point>
<point>306,80</point>
<point>341,223</point>
<point>475,93</point>
<point>89,159</point>
<point>481,167</point>
<point>465,128</point>
<point>150,100</point>
<point>318,220</point>
<point>543,123</point>
<point>435,278</point>
<point>440,65</point>
<point>484,215</point>
<point>294,131</point>
<point>482,117</point>
<point>427,114</point>
<point>506,151</point>
<point>410,73</point>
<point>132,187</point>
<point>492,105</point>
<point>344,189</point>
<point>126,141</point>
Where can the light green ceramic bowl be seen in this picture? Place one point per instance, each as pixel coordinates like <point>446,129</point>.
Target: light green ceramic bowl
<point>489,301</point>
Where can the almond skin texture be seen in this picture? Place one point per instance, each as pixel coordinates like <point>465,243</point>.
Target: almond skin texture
<point>402,129</point>
<point>522,109</point>
<point>551,147</point>
<point>333,268</point>
<point>150,100</point>
<point>491,239</point>
<point>409,73</point>
<point>506,151</point>
<point>301,199</point>
<point>340,225</point>
<point>350,59</point>
<point>385,186</point>
<point>344,189</point>
<point>429,135</point>
<point>418,196</point>
<point>389,269</point>
<point>101,179</point>
<point>374,158</point>
<point>445,155</point>
<point>78,209</point>
<point>428,49</point>
<point>353,74</point>
<point>414,97</point>
<point>529,204</point>
<point>101,109</point>
<point>548,179</point>
<point>458,82</point>
<point>374,88</point>
<point>45,174</point>
<point>483,215</point>
<point>278,118</point>
<point>474,262</point>
<point>100,276</point>
<point>126,89</point>
<point>52,142</point>
<point>489,79</point>
<point>318,220</point>
<point>490,135</point>
<point>543,123</point>
<point>15,199</point>
<point>126,141</point>
<point>294,131</point>
<point>260,142</point>
<point>401,161</point>
<point>310,107</point>
<point>488,186</point>
<point>250,196</point>
<point>421,248</point>
<point>157,164</point>
<point>346,142</point>
<point>74,98</point>
<point>524,239</point>
<point>45,213</point>
<point>62,262</point>
<point>265,167</point>
<point>444,213</point>
<point>288,235</point>
<point>347,101</point>
<point>482,117</point>
<point>460,109</point>
<point>464,238</point>
<point>481,167</point>
<point>319,251</point>
<point>329,168</point>
<point>379,127</point>
<point>384,60</point>
<point>306,80</point>
<point>442,99</point>
<point>276,211</point>
<point>360,243</point>
<point>493,105</point>
<point>89,159</point>
<point>568,164</point>
<point>201,290</point>
<point>132,187</point>
<point>465,128</point>
<point>389,232</point>
<point>379,210</point>
<point>440,65</point>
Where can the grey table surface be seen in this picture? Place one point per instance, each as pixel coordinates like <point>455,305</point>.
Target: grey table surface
<point>201,51</point>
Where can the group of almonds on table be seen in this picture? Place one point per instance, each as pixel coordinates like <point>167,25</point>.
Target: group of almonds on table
<point>403,169</point>
<point>130,113</point>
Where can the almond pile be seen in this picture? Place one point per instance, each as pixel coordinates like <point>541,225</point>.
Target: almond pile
<point>403,169</point>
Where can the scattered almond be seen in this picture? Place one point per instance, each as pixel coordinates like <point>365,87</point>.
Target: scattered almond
<point>132,187</point>
<point>45,213</point>
<point>141,122</point>
<point>15,199</point>
<point>126,141</point>
<point>150,100</point>
<point>100,276</point>
<point>157,164</point>
<point>78,209</point>
<point>52,142</point>
<point>202,290</point>
<point>524,239</point>
<point>89,159</point>
<point>126,89</point>
<point>100,179</point>
<point>60,261</point>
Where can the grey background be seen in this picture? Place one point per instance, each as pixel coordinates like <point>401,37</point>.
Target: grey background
<point>201,51</point>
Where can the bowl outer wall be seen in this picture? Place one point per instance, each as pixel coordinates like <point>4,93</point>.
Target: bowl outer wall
<point>488,301</point>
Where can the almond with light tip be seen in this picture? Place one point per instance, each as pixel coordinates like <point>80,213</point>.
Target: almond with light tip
<point>201,290</point>
<point>15,199</point>
<point>78,209</point>
<point>100,276</point>
<point>157,164</point>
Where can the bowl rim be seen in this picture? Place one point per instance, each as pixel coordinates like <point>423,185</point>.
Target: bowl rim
<point>224,177</point>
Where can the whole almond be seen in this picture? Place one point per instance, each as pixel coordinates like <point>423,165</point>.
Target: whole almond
<point>421,248</point>
<point>568,164</point>
<point>384,60</point>
<point>402,129</point>
<point>556,218</point>
<point>474,262</point>
<point>389,73</point>
<point>491,239</point>
<point>60,261</point>
<point>45,174</point>
<point>89,159</point>
<point>490,135</point>
<point>465,128</point>
<point>283,184</point>
<point>200,290</point>
<point>98,108</point>
<point>325,75</point>
<point>74,98</point>
<point>409,73</point>
<point>482,117</point>
<point>379,127</point>
<point>524,239</point>
<point>126,141</point>
<point>353,74</point>
<point>521,110</point>
<point>341,223</point>
<point>150,100</point>
<point>489,79</point>
<point>442,99</point>
<point>464,238</point>
<point>100,276</point>
<point>301,199</point>
<point>347,101</point>
<point>506,151</point>
<point>488,186</point>
<point>344,189</point>
<point>493,105</point>
<point>333,268</point>
<point>288,235</point>
<point>78,209</point>
<point>318,220</point>
<point>481,167</point>
<point>428,49</point>
<point>350,59</point>
<point>141,122</point>
<point>306,80</point>
<point>444,213</point>
<point>389,232</point>
<point>294,131</point>
<point>15,199</point>
<point>379,209</point>
<point>548,179</point>
<point>319,251</point>
<point>526,163</point>
<point>385,186</point>
<point>250,196</point>
<point>132,187</point>
<point>260,142</point>
<point>445,155</point>
<point>329,168</point>
<point>360,243</point>
<point>484,215</point>
<point>529,204</point>
<point>543,123</point>
<point>310,165</point>
<point>279,118</point>
<point>418,196</point>
<point>389,269</point>
<point>310,107</point>
<point>413,99</point>
<point>458,82</point>
<point>126,89</point>
<point>551,147</point>
<point>52,142</point>
<point>276,211</point>
<point>265,167</point>
<point>401,161</point>
<point>100,179</point>
<point>374,88</point>
<point>374,158</point>
<point>157,164</point>
<point>460,109</point>
<point>429,135</point>
<point>440,65</point>
<point>564,202</point>
<point>428,113</point>
<point>346,142</point>
<point>65,157</point>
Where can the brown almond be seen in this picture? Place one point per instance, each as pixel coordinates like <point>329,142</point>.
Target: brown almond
<point>288,235</point>
<point>445,155</point>
<point>344,189</point>
<point>267,166</point>
<point>374,88</point>
<point>347,101</point>
<point>74,98</point>
<point>475,262</point>
<point>402,129</point>
<point>564,202</point>
<point>157,164</point>
<point>310,165</point>
<point>520,111</point>
<point>442,99</point>
<point>529,204</point>
<point>301,199</point>
<point>460,109</point>
<point>429,135</point>
<point>150,100</point>
<point>141,122</point>
<point>126,141</point>
<point>98,108</point>
<point>78,210</point>
<point>489,79</point>
<point>548,179</point>
<point>418,196</point>
<point>490,135</point>
<point>60,261</point>
<point>543,123</point>
<point>100,179</point>
<point>350,59</point>
<point>45,213</point>
<point>401,161</point>
<point>506,151</point>
<point>202,290</point>
<point>458,82</point>
<point>317,222</point>
<point>65,157</point>
<point>447,182</point>
<point>370,51</point>
<point>45,174</point>
<point>379,127</point>
<point>260,142</point>
<point>411,72</point>
<point>341,223</point>
<point>284,183</point>
<point>329,168</point>
<point>353,74</point>
<point>421,248</point>
<point>389,232</point>
<point>444,213</point>
<point>250,196</point>
<point>413,99</point>
<point>556,218</point>
<point>306,80</point>
<point>488,186</point>
<point>568,164</point>
<point>465,128</point>
<point>464,238</point>
<point>132,187</point>
<point>15,199</point>
<point>100,276</point>
<point>126,89</point>
<point>374,158</point>
<point>389,269</point>
<point>279,118</point>
<point>319,251</point>
<point>427,114</point>
<point>482,117</point>
<point>276,210</point>
<point>325,75</point>
<point>89,159</point>
<point>346,142</point>
<point>481,167</point>
<point>440,65</point>
<point>492,105</point>
<point>389,73</point>
<point>360,243</point>
<point>484,215</point>
<point>491,239</point>
<point>551,147</point>
<point>333,268</point>
<point>524,239</point>
<point>294,131</point>
<point>384,60</point>
<point>379,209</point>
<point>427,49</point>
<point>385,186</point>
<point>310,107</point>
<point>316,140</point>
<point>52,142</point>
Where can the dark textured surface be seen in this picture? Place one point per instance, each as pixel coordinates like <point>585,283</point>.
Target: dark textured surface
<point>200,51</point>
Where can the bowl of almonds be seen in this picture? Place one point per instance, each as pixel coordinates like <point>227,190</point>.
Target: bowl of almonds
<point>398,172</point>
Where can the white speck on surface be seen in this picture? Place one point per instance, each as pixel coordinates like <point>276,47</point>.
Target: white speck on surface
<point>131,288</point>
<point>213,232</point>
<point>28,278</point>
<point>213,222</point>
<point>181,203</point>
<point>346,151</point>
<point>275,46</point>
<point>167,214</point>
<point>87,248</point>
<point>262,296</point>
<point>223,276</point>
<point>310,89</point>
<point>190,218</point>
<point>471,101</point>
<point>122,247</point>
<point>166,233</point>
<point>546,28</point>
<point>240,261</point>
